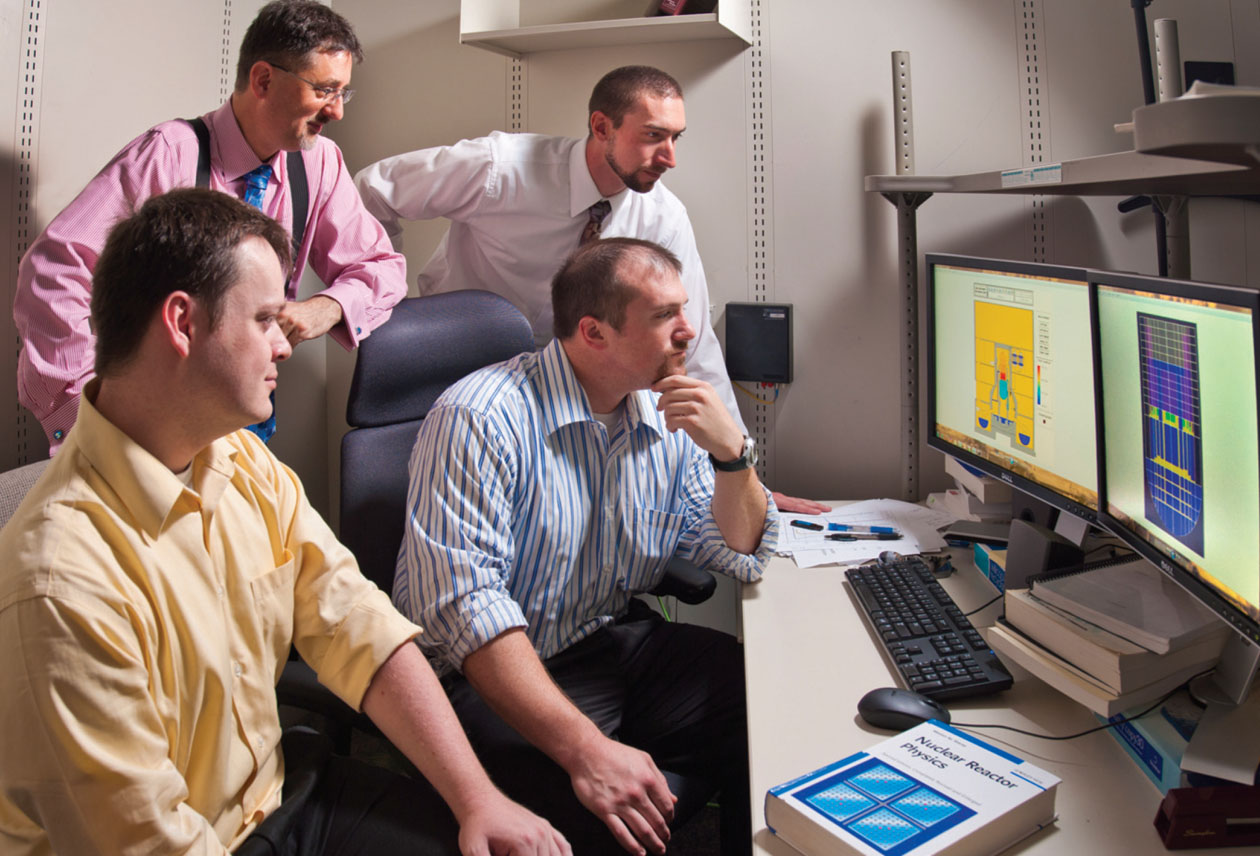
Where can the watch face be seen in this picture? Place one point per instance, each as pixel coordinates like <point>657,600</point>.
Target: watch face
<point>750,451</point>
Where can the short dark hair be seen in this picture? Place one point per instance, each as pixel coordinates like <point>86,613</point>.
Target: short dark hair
<point>286,32</point>
<point>619,90</point>
<point>593,281</point>
<point>184,240</point>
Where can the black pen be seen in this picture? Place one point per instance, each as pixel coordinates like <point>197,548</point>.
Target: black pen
<point>862,536</point>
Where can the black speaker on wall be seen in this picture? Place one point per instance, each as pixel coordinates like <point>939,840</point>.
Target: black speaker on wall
<point>759,342</point>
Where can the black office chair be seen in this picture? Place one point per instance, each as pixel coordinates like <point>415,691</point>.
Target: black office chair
<point>428,344</point>
<point>401,369</point>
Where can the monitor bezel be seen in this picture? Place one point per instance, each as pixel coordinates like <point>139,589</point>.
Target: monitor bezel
<point>1193,290</point>
<point>1036,269</point>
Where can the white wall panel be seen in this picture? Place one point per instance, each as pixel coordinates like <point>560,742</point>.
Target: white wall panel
<point>825,68</point>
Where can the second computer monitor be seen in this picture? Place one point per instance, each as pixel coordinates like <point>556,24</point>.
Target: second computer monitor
<point>1181,443</point>
<point>1011,375</point>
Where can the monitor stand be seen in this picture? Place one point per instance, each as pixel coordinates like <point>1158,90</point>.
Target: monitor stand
<point>1226,742</point>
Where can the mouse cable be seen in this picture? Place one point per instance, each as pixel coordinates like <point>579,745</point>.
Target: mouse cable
<point>1109,724</point>
<point>985,605</point>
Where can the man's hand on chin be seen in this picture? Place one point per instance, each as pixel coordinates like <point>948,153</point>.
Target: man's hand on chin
<point>694,406</point>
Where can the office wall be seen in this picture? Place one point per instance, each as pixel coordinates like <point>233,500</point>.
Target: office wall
<point>794,123</point>
<point>780,136</point>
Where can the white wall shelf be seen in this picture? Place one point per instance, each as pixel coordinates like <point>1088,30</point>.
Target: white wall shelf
<point>494,25</point>
<point>1120,174</point>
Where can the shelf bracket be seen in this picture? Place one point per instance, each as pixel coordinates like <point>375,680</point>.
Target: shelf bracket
<point>907,203</point>
<point>1176,213</point>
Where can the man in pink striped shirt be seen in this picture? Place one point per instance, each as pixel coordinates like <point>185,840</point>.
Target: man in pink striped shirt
<point>292,76</point>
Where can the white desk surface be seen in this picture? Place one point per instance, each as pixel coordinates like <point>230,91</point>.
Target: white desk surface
<point>809,658</point>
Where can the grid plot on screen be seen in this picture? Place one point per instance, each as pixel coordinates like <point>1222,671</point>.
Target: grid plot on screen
<point>1172,429</point>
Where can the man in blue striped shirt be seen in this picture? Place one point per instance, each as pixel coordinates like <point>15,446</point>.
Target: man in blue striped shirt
<point>545,493</point>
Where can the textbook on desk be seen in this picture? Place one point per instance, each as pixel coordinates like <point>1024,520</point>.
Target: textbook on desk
<point>930,791</point>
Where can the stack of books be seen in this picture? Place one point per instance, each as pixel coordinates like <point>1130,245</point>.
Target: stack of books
<point>976,497</point>
<point>1112,638</point>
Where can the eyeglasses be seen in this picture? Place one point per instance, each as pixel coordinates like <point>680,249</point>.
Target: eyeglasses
<point>326,93</point>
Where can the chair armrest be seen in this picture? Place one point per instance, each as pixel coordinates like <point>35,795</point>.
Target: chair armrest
<point>686,581</point>
<point>299,688</point>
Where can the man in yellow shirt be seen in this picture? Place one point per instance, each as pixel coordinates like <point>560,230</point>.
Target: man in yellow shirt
<point>157,574</point>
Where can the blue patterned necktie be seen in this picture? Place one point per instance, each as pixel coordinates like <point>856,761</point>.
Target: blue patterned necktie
<point>255,186</point>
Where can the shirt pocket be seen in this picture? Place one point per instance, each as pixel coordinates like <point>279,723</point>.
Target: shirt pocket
<point>272,593</point>
<point>653,538</point>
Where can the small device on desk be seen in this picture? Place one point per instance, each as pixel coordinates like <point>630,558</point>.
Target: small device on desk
<point>933,646</point>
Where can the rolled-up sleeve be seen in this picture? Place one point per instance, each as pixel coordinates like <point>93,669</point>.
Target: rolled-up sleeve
<point>344,627</point>
<point>703,543</point>
<point>458,544</point>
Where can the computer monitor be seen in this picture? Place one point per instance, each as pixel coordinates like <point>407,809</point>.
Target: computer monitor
<point>1180,444</point>
<point>1010,384</point>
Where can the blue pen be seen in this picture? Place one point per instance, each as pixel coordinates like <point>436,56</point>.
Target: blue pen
<point>844,527</point>
<point>862,536</point>
<point>805,524</point>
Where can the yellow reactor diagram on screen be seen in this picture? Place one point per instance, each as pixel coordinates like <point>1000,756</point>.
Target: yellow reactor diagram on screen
<point>1005,373</point>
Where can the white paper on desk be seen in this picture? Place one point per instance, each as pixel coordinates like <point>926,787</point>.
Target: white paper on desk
<point>810,548</point>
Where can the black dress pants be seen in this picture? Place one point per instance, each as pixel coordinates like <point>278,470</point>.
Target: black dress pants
<point>337,806</point>
<point>676,691</point>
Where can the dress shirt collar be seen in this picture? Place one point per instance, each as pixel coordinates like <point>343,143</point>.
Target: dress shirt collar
<point>568,403</point>
<point>235,156</point>
<point>151,492</point>
<point>582,190</point>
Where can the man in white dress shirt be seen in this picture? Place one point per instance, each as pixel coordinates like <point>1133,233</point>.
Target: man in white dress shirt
<point>520,203</point>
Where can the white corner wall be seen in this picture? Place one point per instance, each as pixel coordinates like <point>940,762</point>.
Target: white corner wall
<point>780,137</point>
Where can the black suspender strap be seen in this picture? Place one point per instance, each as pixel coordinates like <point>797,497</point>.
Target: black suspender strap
<point>300,197</point>
<point>299,194</point>
<point>203,150</point>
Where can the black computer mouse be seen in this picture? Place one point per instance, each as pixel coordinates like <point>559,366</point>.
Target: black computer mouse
<point>898,709</point>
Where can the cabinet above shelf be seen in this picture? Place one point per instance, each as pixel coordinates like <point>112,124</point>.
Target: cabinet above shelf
<point>493,25</point>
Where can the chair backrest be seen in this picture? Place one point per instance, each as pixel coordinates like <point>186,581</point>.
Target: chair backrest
<point>401,369</point>
<point>13,487</point>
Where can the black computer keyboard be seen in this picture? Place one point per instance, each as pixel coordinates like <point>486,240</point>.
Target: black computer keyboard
<point>923,632</point>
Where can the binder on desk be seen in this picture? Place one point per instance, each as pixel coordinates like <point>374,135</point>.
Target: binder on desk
<point>1133,600</point>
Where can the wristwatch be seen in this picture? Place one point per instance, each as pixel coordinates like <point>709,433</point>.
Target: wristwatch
<point>747,458</point>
